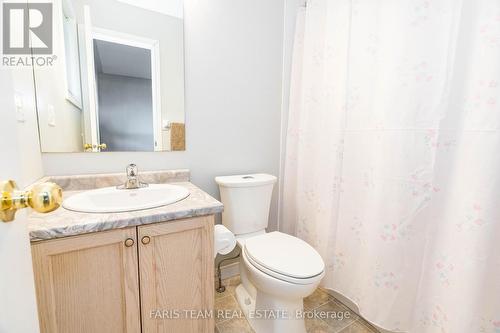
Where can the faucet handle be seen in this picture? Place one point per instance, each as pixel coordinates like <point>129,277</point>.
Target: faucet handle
<point>132,179</point>
<point>132,170</point>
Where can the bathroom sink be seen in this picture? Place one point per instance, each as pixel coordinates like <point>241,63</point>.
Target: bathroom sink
<point>113,200</point>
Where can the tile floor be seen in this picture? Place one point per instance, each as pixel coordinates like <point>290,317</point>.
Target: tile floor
<point>319,301</point>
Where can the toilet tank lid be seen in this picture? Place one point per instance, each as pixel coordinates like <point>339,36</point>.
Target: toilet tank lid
<point>247,180</point>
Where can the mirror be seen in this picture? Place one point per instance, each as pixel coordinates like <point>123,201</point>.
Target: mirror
<point>117,82</point>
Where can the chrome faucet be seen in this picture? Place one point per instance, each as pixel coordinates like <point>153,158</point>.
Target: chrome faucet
<point>132,179</point>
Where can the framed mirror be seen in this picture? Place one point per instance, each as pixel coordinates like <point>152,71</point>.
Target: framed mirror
<point>117,83</point>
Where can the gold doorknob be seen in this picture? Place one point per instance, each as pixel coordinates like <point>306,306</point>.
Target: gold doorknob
<point>129,242</point>
<point>43,197</point>
<point>87,147</point>
<point>145,240</point>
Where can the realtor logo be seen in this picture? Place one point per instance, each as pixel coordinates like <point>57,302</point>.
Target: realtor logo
<point>27,29</point>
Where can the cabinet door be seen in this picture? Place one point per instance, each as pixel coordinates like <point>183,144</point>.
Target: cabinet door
<point>177,274</point>
<point>88,283</point>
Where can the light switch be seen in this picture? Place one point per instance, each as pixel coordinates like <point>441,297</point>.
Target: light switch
<point>165,125</point>
<point>51,116</point>
<point>18,101</point>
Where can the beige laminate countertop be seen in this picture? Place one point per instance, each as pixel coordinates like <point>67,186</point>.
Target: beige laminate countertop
<point>64,223</point>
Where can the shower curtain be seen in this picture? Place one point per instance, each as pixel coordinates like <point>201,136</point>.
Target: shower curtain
<point>392,167</point>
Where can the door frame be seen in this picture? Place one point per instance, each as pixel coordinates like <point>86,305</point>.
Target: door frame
<point>153,46</point>
<point>91,90</point>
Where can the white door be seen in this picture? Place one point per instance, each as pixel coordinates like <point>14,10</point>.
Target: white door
<point>18,312</point>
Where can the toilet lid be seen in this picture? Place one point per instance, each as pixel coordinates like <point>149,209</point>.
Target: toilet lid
<point>285,255</point>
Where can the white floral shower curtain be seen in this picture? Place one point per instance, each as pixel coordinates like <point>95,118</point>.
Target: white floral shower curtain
<point>392,167</point>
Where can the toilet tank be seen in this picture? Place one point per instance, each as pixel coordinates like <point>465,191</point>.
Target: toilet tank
<point>246,199</point>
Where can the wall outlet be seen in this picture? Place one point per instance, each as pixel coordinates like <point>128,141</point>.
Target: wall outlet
<point>20,116</point>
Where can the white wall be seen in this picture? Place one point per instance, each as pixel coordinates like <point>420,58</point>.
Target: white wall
<point>233,60</point>
<point>21,159</point>
<point>66,135</point>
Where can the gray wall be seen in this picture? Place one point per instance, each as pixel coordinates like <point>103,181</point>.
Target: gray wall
<point>125,113</point>
<point>234,60</point>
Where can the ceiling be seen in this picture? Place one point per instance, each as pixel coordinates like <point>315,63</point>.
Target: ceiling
<point>119,59</point>
<point>171,7</point>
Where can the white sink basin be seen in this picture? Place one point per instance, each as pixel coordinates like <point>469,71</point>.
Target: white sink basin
<point>113,200</point>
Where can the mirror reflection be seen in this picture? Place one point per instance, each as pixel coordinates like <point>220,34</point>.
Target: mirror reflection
<point>119,81</point>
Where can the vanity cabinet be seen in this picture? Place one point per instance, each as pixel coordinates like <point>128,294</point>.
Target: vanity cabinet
<point>176,273</point>
<point>87,283</point>
<point>127,280</point>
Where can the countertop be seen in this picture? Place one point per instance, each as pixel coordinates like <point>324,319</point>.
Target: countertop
<point>64,223</point>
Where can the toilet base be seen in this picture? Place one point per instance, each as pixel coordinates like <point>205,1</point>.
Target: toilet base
<point>267,314</point>
<point>245,301</point>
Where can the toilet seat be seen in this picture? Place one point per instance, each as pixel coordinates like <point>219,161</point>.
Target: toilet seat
<point>284,257</point>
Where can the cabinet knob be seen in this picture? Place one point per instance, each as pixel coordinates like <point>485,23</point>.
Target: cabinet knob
<point>129,242</point>
<point>145,240</point>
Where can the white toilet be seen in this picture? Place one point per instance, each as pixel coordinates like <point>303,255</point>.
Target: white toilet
<point>277,270</point>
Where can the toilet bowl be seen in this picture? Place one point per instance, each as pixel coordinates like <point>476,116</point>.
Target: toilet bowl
<point>277,270</point>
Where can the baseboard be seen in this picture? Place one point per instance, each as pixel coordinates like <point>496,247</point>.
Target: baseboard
<point>229,270</point>
<point>353,307</point>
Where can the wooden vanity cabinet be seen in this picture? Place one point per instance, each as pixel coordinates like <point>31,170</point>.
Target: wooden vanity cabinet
<point>176,273</point>
<point>101,282</point>
<point>87,283</point>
